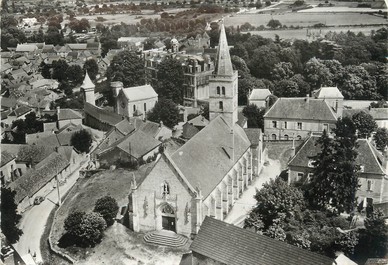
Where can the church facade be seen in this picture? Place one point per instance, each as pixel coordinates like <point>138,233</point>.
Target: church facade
<point>206,175</point>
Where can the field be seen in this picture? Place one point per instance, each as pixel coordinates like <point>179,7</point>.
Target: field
<point>306,19</point>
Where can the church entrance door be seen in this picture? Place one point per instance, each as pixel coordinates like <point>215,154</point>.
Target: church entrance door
<point>168,223</point>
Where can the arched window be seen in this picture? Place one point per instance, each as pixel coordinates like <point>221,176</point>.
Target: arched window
<point>273,136</point>
<point>221,105</point>
<point>223,90</point>
<point>218,90</point>
<point>286,137</point>
<point>165,189</point>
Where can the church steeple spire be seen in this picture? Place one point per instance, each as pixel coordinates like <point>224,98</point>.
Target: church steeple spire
<point>223,61</point>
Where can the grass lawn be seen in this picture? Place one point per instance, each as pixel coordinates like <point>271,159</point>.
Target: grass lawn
<point>87,191</point>
<point>122,246</point>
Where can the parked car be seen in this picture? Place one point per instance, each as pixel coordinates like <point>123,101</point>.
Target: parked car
<point>38,200</point>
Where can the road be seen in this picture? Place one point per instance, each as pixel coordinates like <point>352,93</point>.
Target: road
<point>34,220</point>
<point>243,205</point>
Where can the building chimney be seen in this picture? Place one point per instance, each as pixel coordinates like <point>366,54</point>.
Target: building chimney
<point>58,110</point>
<point>307,98</point>
<point>161,124</point>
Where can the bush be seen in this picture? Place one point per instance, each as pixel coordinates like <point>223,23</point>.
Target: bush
<point>84,229</point>
<point>81,140</point>
<point>108,208</point>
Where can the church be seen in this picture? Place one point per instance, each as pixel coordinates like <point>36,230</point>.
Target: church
<point>206,175</point>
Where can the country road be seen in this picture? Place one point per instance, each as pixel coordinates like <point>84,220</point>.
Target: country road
<point>34,220</point>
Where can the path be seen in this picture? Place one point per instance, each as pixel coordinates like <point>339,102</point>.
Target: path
<point>243,205</point>
<point>34,220</point>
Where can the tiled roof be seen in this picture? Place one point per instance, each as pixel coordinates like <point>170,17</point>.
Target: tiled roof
<point>199,121</point>
<point>301,109</point>
<point>6,158</point>
<point>259,94</point>
<point>77,46</point>
<point>8,102</point>
<point>211,148</point>
<point>102,115</point>
<point>68,114</point>
<point>45,82</point>
<point>26,48</point>
<point>36,152</point>
<point>368,156</point>
<point>136,144</point>
<point>328,92</point>
<point>5,114</point>
<point>20,111</point>
<point>139,92</point>
<point>229,244</point>
<point>31,182</point>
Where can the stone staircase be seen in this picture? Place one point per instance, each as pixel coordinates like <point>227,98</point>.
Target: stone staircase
<point>165,238</point>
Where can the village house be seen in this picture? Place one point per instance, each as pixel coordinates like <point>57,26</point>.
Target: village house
<point>133,101</point>
<point>45,176</point>
<point>259,97</point>
<point>193,126</point>
<point>373,174</point>
<point>7,167</point>
<point>297,118</point>
<point>221,243</point>
<point>206,175</point>
<point>67,116</point>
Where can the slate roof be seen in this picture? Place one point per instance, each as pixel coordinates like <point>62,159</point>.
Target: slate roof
<point>223,65</point>
<point>68,114</point>
<point>328,92</point>
<point>87,83</point>
<point>229,244</point>
<point>136,144</point>
<point>6,157</point>
<point>139,92</point>
<point>301,109</point>
<point>211,148</point>
<point>102,115</point>
<point>31,182</point>
<point>368,156</point>
<point>259,94</point>
<point>254,135</point>
<point>125,127</point>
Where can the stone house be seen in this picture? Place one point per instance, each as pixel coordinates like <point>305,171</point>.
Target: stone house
<point>373,174</point>
<point>259,97</point>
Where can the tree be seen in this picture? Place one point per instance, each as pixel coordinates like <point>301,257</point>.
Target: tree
<point>381,138</point>
<point>74,75</point>
<point>59,70</point>
<point>85,228</point>
<point>166,111</point>
<point>170,80</point>
<point>273,23</point>
<point>365,124</point>
<point>335,177</point>
<point>128,68</point>
<point>81,140</point>
<point>276,201</point>
<point>282,71</point>
<point>91,67</point>
<point>317,73</point>
<point>9,216</point>
<point>255,116</point>
<point>376,234</point>
<point>108,208</point>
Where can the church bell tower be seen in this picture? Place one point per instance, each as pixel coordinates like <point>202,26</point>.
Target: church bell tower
<point>223,84</point>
